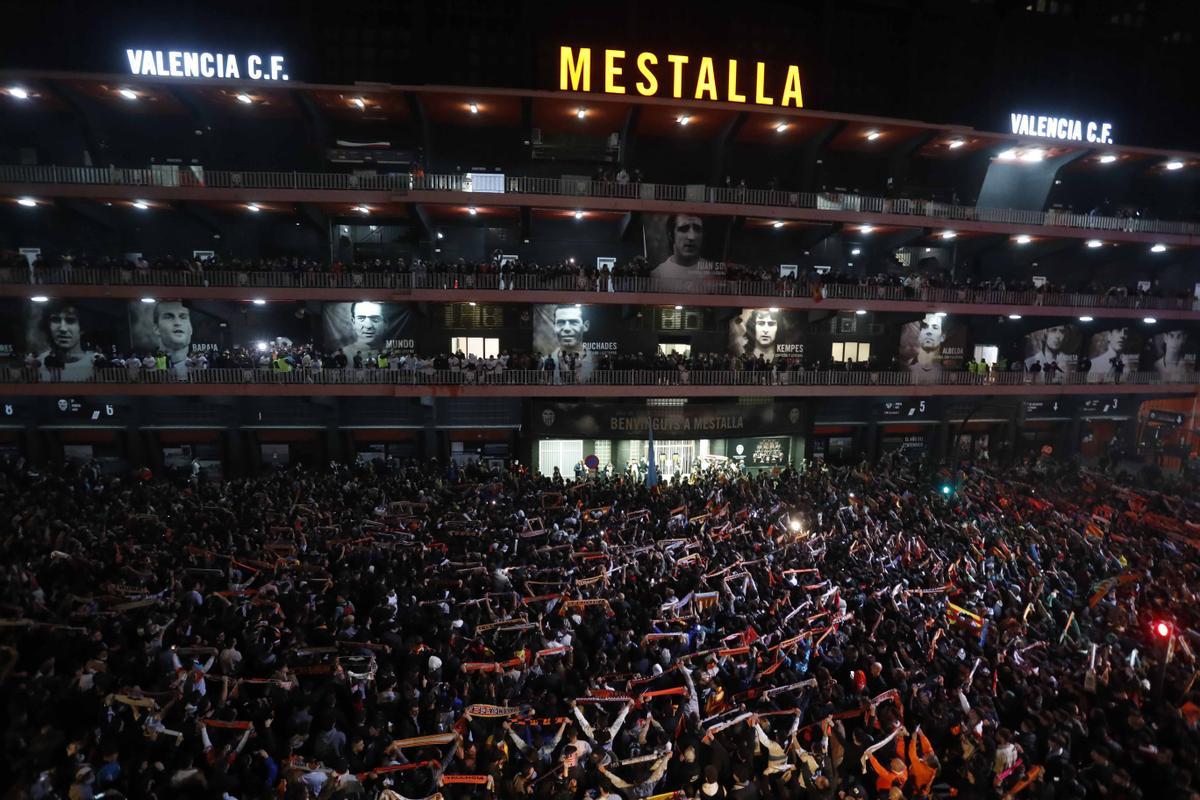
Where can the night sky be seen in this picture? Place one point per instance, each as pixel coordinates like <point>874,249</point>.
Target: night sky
<point>969,62</point>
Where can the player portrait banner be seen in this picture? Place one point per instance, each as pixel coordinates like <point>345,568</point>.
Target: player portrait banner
<point>768,333</point>
<point>931,345</point>
<point>685,249</point>
<point>68,331</point>
<point>1113,349</point>
<point>571,333</point>
<point>366,327</point>
<point>693,421</point>
<point>1057,344</point>
<point>1171,353</point>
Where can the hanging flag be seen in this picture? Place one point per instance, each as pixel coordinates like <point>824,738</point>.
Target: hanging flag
<point>652,469</point>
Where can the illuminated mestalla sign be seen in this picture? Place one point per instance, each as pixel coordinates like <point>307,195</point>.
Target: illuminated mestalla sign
<point>1063,128</point>
<point>700,78</point>
<point>202,64</point>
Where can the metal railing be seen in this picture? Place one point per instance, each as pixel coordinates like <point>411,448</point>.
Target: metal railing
<point>578,283</point>
<point>636,377</point>
<point>161,177</point>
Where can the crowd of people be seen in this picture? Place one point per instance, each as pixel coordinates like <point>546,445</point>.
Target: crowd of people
<point>283,360</point>
<point>422,631</point>
<point>507,273</point>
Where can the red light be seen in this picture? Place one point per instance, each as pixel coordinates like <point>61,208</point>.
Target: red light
<point>1162,629</point>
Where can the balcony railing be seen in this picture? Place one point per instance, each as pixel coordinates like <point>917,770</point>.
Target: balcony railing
<point>637,377</point>
<point>494,282</point>
<point>161,177</point>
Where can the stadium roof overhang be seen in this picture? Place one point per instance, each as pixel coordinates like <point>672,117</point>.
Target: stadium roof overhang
<point>556,112</point>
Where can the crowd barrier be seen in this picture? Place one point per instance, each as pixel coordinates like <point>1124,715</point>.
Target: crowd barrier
<point>579,283</point>
<point>400,183</point>
<point>637,377</point>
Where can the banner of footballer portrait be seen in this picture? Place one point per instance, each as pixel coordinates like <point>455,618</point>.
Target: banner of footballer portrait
<point>77,330</point>
<point>585,338</point>
<point>684,248</point>
<point>1170,352</point>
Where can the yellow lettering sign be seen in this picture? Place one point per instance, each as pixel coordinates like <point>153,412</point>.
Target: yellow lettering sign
<point>791,89</point>
<point>575,70</point>
<point>612,71</point>
<point>760,96</point>
<point>707,82</point>
<point>699,83</point>
<point>734,97</point>
<point>678,62</point>
<point>644,62</point>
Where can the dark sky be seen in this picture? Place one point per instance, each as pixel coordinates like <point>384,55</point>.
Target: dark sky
<point>1131,62</point>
